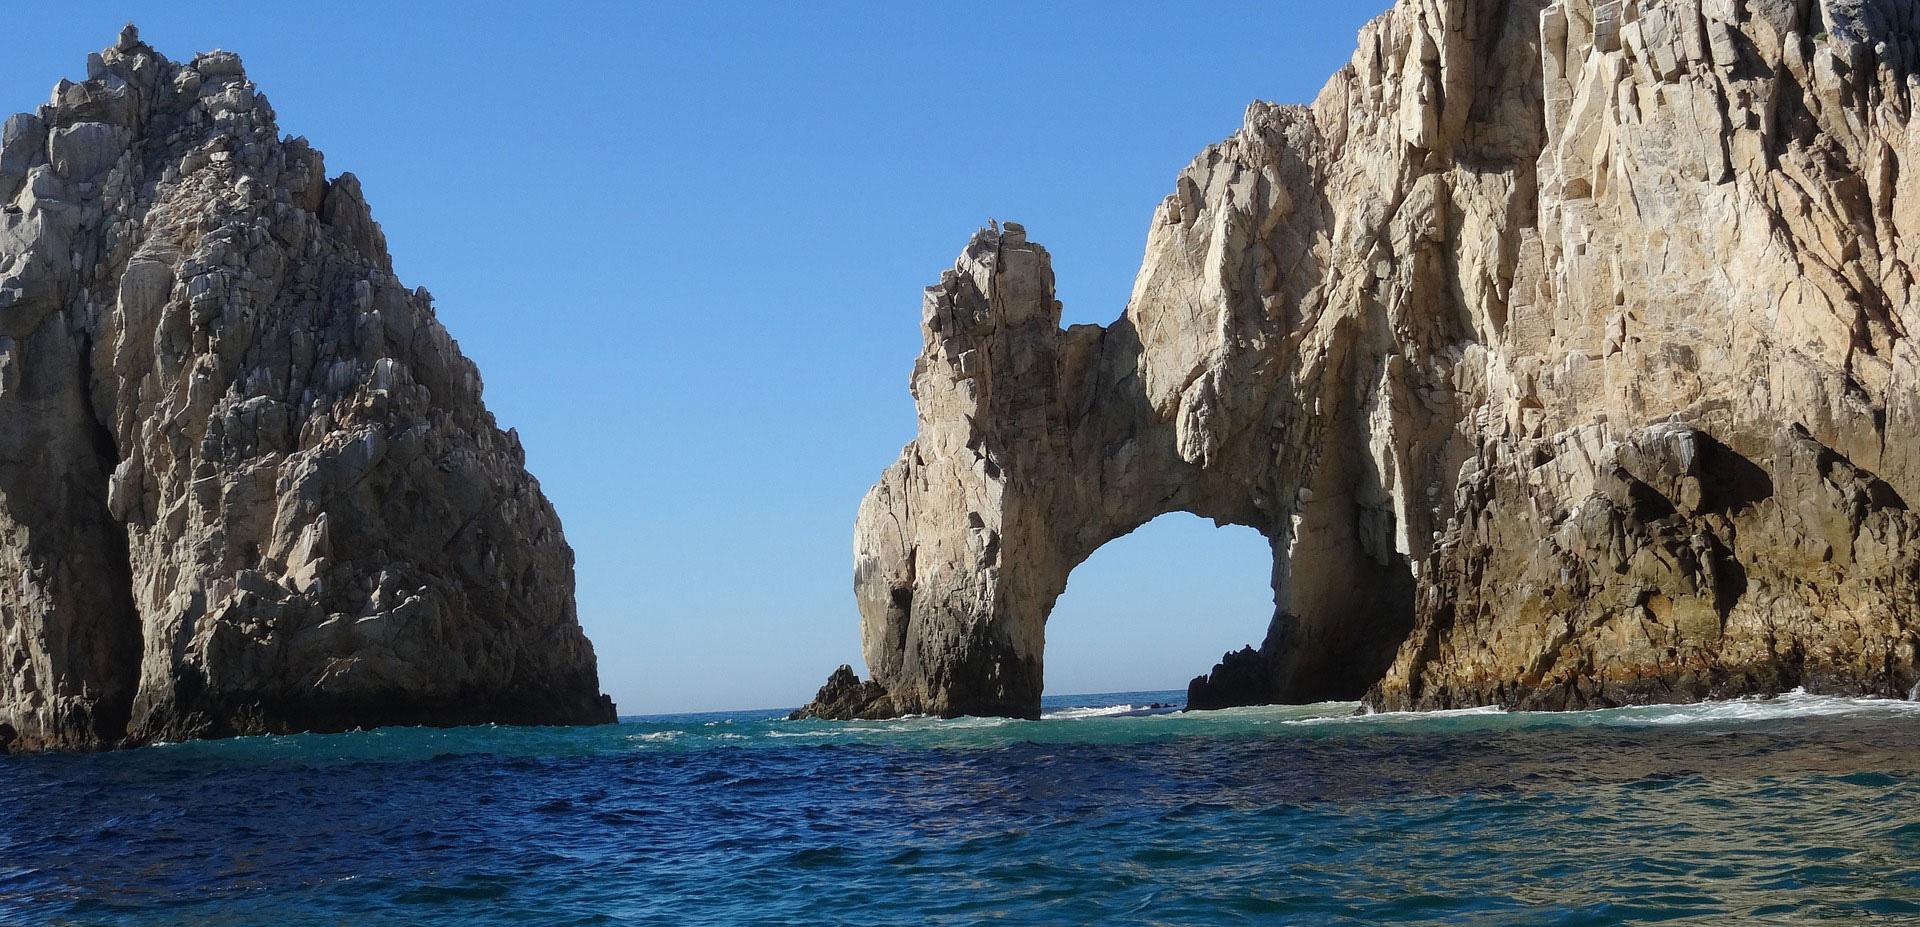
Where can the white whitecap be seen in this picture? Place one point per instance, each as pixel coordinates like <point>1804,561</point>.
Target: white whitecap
<point>1795,704</point>
<point>1104,711</point>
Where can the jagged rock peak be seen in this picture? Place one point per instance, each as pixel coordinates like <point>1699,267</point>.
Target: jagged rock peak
<point>1561,349</point>
<point>247,482</point>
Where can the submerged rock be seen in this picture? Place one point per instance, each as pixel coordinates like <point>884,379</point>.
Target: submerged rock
<point>1561,350</point>
<point>247,483</point>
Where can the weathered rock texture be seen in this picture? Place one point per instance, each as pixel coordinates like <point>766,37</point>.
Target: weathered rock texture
<point>247,483</point>
<point>1560,348</point>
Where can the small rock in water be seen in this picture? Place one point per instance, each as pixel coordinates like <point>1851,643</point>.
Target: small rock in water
<point>846,698</point>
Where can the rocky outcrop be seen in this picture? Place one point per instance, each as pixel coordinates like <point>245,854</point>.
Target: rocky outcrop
<point>1686,570</point>
<point>247,483</point>
<point>1242,677</point>
<point>1559,348</point>
<point>846,698</point>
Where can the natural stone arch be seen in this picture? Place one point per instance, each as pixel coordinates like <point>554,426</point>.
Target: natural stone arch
<point>1299,352</point>
<point>1531,296</point>
<point>1039,445</point>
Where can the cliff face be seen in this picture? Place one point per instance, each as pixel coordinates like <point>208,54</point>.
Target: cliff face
<point>1559,348</point>
<point>247,483</point>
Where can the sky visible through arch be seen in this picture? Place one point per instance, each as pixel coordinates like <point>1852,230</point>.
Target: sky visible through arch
<point>685,243</point>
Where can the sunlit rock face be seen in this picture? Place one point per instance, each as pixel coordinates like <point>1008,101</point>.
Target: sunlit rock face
<point>1560,349</point>
<point>247,483</point>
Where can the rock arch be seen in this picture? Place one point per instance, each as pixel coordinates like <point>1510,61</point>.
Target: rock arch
<point>1039,445</point>
<point>1493,342</point>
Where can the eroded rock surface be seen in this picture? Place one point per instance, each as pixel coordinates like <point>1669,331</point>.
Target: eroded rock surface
<point>1688,570</point>
<point>1560,348</point>
<point>247,483</point>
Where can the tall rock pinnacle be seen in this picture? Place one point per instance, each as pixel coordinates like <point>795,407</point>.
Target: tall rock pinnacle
<point>1561,349</point>
<point>247,483</point>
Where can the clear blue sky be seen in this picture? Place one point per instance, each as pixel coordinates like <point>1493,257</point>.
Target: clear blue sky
<point>686,242</point>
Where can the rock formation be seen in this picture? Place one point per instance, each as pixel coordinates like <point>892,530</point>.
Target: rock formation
<point>247,483</point>
<point>846,698</point>
<point>1559,348</point>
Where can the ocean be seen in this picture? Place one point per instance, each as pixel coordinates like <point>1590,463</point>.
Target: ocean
<point>1795,810</point>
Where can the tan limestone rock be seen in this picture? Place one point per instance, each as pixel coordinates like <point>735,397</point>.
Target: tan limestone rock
<point>247,483</point>
<point>1496,342</point>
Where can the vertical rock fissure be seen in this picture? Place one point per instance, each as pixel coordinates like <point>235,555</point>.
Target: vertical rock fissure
<point>123,636</point>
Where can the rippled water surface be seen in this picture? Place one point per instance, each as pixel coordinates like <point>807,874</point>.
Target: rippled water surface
<point>1797,810</point>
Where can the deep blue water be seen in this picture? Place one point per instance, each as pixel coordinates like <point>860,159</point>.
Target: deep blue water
<point>1798,810</point>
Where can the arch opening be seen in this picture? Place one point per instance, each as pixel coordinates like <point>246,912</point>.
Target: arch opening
<point>1150,608</point>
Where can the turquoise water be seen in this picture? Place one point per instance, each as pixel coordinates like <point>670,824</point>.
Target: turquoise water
<point>1796,810</point>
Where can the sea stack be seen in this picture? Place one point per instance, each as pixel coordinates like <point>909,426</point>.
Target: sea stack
<point>1562,350</point>
<point>247,483</point>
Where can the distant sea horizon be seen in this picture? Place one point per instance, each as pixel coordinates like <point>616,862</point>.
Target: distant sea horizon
<point>1076,699</point>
